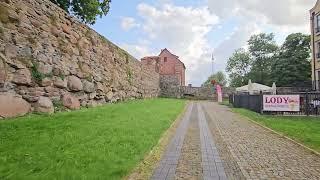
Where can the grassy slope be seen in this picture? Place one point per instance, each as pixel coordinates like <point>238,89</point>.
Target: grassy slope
<point>303,129</point>
<point>99,143</point>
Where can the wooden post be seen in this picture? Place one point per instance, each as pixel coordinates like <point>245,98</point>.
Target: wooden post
<point>261,102</point>
<point>307,103</point>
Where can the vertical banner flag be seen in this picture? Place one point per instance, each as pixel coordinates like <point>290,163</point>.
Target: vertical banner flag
<point>219,92</point>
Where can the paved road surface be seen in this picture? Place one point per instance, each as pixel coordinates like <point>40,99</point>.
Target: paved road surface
<point>211,142</point>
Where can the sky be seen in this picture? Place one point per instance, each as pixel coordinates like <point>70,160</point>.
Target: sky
<point>196,29</point>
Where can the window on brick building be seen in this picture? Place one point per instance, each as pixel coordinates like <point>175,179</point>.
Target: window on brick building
<point>318,49</point>
<point>317,24</point>
<point>165,59</point>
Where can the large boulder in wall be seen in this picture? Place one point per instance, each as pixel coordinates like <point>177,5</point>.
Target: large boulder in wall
<point>13,106</point>
<point>74,83</point>
<point>70,102</point>
<point>44,105</point>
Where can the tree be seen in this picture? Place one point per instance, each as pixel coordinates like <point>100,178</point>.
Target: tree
<point>219,77</point>
<point>86,10</point>
<point>262,49</point>
<point>238,67</point>
<point>292,66</point>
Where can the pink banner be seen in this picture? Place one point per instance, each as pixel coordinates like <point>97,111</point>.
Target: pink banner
<point>219,92</point>
<point>281,102</point>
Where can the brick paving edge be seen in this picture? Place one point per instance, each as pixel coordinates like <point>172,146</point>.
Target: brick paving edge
<point>279,134</point>
<point>159,149</point>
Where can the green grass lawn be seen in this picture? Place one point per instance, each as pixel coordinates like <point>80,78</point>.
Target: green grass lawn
<point>99,143</point>
<point>303,129</point>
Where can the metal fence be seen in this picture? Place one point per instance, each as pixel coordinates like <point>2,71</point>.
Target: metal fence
<point>309,103</point>
<point>251,102</point>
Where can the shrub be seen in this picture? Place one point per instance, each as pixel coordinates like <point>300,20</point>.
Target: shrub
<point>58,106</point>
<point>129,75</point>
<point>36,75</point>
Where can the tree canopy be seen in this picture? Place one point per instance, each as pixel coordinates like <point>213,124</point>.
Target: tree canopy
<point>86,10</point>
<point>219,77</point>
<point>262,49</point>
<point>264,62</point>
<point>292,65</point>
<point>238,67</point>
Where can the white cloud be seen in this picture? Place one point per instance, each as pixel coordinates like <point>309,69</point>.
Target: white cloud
<point>254,16</point>
<point>137,50</point>
<point>286,15</point>
<point>128,23</point>
<point>185,30</point>
<point>182,30</point>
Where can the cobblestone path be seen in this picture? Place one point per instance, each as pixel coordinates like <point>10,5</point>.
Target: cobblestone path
<point>167,166</point>
<point>211,161</point>
<point>259,153</point>
<point>189,166</point>
<point>192,153</point>
<point>213,143</point>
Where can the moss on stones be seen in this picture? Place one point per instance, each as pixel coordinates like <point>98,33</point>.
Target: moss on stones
<point>53,20</point>
<point>129,75</point>
<point>1,32</point>
<point>31,40</point>
<point>4,14</point>
<point>38,76</point>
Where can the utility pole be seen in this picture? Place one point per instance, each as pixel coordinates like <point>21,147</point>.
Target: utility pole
<point>212,59</point>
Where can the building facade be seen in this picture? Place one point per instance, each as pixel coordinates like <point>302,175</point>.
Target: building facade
<point>167,64</point>
<point>315,44</point>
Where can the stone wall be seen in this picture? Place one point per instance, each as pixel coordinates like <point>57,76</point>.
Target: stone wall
<point>170,87</point>
<point>49,58</point>
<point>202,93</point>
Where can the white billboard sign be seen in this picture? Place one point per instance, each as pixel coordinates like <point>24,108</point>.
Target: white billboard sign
<point>281,103</point>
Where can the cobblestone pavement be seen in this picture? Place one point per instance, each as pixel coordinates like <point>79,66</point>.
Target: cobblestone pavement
<point>192,154</point>
<point>189,166</point>
<point>211,162</point>
<point>259,153</point>
<point>167,166</point>
<point>211,142</point>
<point>231,167</point>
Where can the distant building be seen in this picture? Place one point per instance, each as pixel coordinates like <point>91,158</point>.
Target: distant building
<point>315,44</point>
<point>167,64</point>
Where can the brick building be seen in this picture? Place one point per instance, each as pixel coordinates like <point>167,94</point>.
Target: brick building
<point>167,63</point>
<point>315,44</point>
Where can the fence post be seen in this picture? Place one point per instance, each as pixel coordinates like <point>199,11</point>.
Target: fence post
<point>261,102</point>
<point>307,103</point>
